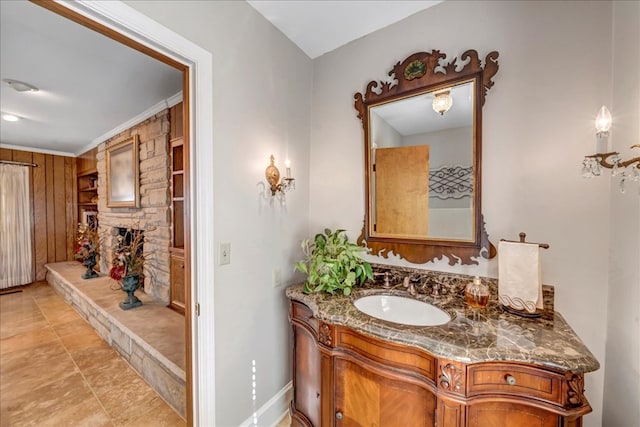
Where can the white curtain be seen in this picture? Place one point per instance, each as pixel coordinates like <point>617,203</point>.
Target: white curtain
<point>16,253</point>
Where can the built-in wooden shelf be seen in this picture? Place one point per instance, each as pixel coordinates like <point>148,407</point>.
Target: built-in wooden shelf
<point>177,162</point>
<point>87,185</point>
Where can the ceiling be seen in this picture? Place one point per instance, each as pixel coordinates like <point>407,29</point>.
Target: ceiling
<point>415,115</point>
<point>320,26</point>
<point>91,87</point>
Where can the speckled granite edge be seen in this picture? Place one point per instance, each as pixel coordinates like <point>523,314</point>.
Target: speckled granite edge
<point>472,336</point>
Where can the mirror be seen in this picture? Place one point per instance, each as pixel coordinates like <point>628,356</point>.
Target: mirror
<point>423,132</point>
<point>421,177</point>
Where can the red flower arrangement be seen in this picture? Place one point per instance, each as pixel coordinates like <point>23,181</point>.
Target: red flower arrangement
<point>88,242</point>
<point>128,258</point>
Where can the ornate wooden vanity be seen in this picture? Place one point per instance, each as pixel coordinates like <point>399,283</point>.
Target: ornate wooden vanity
<point>484,368</point>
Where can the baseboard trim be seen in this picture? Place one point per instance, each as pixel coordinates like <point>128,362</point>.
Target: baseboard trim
<point>273,411</point>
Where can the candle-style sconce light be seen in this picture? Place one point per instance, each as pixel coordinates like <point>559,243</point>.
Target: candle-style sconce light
<point>273,177</point>
<point>592,164</point>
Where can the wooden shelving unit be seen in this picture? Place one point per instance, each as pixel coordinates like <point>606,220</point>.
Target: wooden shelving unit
<point>176,153</point>
<point>87,184</point>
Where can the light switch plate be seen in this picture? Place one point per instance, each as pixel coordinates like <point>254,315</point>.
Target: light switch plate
<point>224,253</point>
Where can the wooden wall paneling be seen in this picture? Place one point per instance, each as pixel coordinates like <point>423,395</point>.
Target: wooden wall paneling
<point>60,233</point>
<point>27,157</point>
<point>51,219</point>
<point>40,214</point>
<point>6,154</point>
<point>69,204</point>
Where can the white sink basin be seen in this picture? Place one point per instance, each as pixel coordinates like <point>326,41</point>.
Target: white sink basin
<point>406,311</point>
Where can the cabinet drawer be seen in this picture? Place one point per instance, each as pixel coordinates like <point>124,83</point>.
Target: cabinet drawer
<point>303,314</point>
<point>516,380</point>
<point>393,356</point>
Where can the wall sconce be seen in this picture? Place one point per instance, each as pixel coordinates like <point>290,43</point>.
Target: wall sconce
<point>442,101</point>
<point>592,165</point>
<point>273,178</point>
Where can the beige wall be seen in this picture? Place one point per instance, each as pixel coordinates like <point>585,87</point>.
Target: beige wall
<point>261,103</point>
<point>622,370</point>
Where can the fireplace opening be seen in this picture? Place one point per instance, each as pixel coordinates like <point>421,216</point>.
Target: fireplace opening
<point>129,235</point>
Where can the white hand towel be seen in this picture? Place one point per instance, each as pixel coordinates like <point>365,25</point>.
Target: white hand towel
<point>519,276</point>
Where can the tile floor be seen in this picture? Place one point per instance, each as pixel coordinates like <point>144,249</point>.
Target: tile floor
<point>56,371</point>
<point>150,338</point>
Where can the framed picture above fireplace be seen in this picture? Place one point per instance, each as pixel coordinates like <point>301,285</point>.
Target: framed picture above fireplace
<point>123,172</point>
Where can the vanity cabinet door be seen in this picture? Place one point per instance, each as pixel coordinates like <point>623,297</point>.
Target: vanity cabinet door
<point>366,398</point>
<point>502,414</point>
<point>306,379</point>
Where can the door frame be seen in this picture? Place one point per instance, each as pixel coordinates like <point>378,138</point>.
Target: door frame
<point>130,27</point>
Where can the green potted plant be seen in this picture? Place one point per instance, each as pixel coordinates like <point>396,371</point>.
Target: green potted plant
<point>332,263</point>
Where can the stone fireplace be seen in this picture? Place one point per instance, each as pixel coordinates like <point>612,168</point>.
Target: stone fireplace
<point>153,217</point>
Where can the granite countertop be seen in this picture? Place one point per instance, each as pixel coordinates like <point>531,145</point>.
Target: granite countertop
<point>472,336</point>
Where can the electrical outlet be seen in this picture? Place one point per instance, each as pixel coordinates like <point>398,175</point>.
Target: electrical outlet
<point>277,278</point>
<point>224,253</point>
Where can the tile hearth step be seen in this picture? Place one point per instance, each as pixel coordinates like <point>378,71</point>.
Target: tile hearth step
<point>150,338</point>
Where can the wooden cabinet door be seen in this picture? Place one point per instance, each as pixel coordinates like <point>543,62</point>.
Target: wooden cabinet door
<point>364,398</point>
<point>509,415</point>
<point>306,377</point>
<point>177,288</point>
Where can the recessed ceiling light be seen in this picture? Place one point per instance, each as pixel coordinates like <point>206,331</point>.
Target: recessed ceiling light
<point>10,118</point>
<point>20,86</point>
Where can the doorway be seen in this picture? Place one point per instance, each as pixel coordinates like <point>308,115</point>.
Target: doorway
<point>131,28</point>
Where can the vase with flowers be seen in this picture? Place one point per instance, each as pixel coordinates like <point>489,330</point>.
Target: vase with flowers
<point>88,249</point>
<point>127,265</point>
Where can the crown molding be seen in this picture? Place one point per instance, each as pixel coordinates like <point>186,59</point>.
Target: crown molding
<point>36,150</point>
<point>154,109</point>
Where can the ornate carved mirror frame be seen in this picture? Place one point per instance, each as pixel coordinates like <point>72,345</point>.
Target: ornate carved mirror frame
<point>419,73</point>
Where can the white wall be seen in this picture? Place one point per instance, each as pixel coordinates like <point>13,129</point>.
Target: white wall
<point>622,371</point>
<point>446,147</point>
<point>383,134</point>
<point>538,123</point>
<point>261,94</point>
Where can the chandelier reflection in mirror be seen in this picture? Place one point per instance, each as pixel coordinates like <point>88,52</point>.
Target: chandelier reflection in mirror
<point>276,184</point>
<point>442,101</point>
<point>592,165</point>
